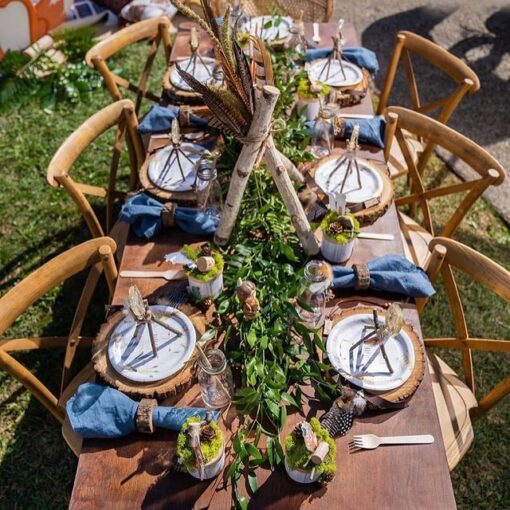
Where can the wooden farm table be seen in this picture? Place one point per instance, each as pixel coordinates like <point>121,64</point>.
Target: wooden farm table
<point>135,472</point>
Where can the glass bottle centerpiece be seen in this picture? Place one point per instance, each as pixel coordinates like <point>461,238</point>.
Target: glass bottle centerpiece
<point>208,189</point>
<point>215,379</point>
<point>323,134</point>
<point>311,303</point>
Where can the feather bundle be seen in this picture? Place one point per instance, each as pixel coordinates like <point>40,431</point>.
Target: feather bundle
<point>233,105</point>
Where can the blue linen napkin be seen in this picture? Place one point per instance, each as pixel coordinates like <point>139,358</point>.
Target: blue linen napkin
<point>362,57</point>
<point>144,214</point>
<point>159,118</point>
<point>97,411</point>
<point>390,273</point>
<point>371,131</point>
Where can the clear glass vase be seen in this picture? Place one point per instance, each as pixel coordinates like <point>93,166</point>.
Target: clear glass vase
<point>323,134</point>
<point>208,189</point>
<point>215,379</point>
<point>311,303</point>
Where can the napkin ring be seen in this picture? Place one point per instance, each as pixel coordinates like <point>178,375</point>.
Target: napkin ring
<point>362,276</point>
<point>168,214</point>
<point>144,415</point>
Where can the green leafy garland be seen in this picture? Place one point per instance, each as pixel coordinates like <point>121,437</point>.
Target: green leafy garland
<point>22,79</point>
<point>275,353</point>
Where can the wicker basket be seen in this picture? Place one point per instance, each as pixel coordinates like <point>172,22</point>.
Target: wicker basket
<point>313,10</point>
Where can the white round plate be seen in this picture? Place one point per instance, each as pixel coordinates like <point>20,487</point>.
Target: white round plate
<point>353,74</point>
<point>399,349</point>
<point>171,178</point>
<point>329,180</point>
<point>203,73</point>
<point>255,26</point>
<point>132,357</point>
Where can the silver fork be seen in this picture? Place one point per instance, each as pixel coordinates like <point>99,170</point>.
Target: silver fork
<point>371,441</point>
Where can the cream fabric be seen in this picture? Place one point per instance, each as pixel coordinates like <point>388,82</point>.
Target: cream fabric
<point>453,401</point>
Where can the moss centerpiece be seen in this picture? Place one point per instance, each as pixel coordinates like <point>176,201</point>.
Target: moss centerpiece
<point>339,233</point>
<point>205,274</point>
<point>211,449</point>
<point>310,453</point>
<point>309,97</point>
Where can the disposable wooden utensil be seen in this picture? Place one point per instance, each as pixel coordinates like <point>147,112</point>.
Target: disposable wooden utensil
<point>371,441</point>
<point>169,274</point>
<point>355,115</point>
<point>374,236</point>
<point>316,34</point>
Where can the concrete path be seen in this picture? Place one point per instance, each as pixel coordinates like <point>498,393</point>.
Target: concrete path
<point>476,31</point>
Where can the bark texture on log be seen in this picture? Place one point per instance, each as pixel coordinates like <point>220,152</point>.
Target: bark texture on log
<point>264,106</point>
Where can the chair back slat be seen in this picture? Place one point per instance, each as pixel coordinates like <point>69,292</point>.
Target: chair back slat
<point>121,116</point>
<point>407,44</point>
<point>489,170</point>
<point>157,30</point>
<point>90,254</point>
<point>495,278</point>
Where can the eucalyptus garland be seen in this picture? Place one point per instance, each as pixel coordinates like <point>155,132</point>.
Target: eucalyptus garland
<point>275,353</point>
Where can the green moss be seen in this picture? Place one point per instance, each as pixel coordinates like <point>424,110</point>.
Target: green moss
<point>194,254</point>
<point>298,456</point>
<point>304,92</point>
<point>209,450</point>
<point>342,237</point>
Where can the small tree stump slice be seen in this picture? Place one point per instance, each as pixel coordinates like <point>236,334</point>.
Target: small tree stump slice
<point>407,389</point>
<point>366,215</point>
<point>168,388</point>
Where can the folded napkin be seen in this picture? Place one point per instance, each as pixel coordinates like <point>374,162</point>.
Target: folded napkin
<point>159,118</point>
<point>97,411</point>
<point>390,273</point>
<point>362,57</point>
<point>144,214</point>
<point>371,131</point>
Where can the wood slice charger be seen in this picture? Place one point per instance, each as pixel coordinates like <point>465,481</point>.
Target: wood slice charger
<point>369,213</point>
<point>407,389</point>
<point>163,389</point>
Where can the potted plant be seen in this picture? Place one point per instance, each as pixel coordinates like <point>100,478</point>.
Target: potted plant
<point>205,273</point>
<point>309,97</point>
<point>310,453</point>
<point>338,235</point>
<point>200,448</point>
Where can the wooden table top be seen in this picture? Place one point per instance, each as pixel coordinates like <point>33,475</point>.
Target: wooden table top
<point>135,472</point>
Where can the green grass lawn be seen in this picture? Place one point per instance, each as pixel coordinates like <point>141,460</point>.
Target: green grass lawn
<point>38,221</point>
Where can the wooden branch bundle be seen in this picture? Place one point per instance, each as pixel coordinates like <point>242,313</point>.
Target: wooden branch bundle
<point>260,139</point>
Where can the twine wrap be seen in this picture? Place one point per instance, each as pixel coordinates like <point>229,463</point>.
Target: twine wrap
<point>144,415</point>
<point>362,276</point>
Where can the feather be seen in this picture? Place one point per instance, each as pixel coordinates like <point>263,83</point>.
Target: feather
<point>227,115</point>
<point>263,60</point>
<point>227,37</point>
<point>243,70</point>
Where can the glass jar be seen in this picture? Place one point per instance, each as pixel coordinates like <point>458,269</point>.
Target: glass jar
<point>323,134</point>
<point>208,189</point>
<point>316,281</point>
<point>215,379</point>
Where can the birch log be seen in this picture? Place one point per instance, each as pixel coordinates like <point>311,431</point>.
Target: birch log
<point>284,184</point>
<point>264,106</point>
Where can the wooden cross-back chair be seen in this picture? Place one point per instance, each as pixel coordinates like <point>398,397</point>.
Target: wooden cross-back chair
<point>157,30</point>
<point>96,255</point>
<point>465,79</point>
<point>487,171</point>
<point>120,115</point>
<point>456,400</point>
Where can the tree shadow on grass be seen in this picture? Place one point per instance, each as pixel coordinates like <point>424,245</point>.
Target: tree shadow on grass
<point>492,97</point>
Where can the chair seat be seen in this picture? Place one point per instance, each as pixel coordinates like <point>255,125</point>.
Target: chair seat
<point>415,239</point>
<point>73,440</point>
<point>396,162</point>
<point>453,402</point>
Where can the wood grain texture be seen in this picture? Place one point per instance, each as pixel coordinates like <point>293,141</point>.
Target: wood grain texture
<point>135,472</point>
